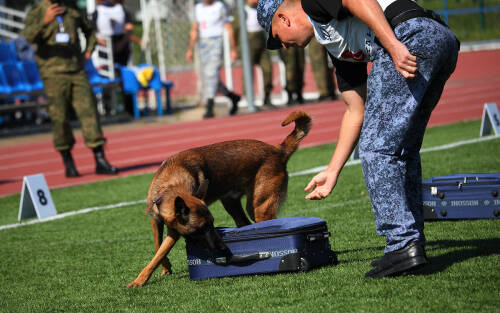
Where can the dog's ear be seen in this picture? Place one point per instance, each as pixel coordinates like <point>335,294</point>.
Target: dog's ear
<point>181,210</point>
<point>202,190</point>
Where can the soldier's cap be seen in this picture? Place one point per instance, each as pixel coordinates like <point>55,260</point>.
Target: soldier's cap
<point>265,13</point>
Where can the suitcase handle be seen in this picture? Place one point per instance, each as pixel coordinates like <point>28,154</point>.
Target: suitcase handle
<point>235,259</point>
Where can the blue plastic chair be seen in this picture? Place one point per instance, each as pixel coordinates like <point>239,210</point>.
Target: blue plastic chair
<point>31,74</point>
<point>93,75</point>
<point>157,85</point>
<point>14,78</point>
<point>7,54</point>
<point>130,86</point>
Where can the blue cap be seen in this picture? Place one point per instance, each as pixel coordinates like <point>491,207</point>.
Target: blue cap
<point>265,13</point>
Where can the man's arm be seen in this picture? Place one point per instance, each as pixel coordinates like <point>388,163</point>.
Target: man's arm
<point>350,128</point>
<point>230,33</point>
<point>36,22</point>
<point>193,36</point>
<point>370,12</point>
<point>89,31</point>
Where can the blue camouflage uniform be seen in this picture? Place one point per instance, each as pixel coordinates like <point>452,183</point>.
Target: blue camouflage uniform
<point>396,110</point>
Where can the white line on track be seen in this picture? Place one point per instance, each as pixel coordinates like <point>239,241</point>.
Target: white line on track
<point>305,172</point>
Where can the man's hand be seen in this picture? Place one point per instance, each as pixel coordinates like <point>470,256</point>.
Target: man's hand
<point>189,55</point>
<point>323,184</point>
<point>234,55</point>
<point>404,61</point>
<point>87,55</point>
<point>52,11</point>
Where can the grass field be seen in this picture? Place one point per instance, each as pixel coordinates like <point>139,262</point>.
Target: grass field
<point>83,262</point>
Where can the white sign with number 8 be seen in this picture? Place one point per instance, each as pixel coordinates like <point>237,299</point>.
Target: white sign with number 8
<point>35,198</point>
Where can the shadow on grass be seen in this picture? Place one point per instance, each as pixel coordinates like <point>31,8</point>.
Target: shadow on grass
<point>139,166</point>
<point>463,250</point>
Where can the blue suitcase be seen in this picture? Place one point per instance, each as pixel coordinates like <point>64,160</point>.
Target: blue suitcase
<point>462,196</point>
<point>280,245</point>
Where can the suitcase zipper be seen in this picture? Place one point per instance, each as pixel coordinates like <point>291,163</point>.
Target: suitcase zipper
<point>319,229</point>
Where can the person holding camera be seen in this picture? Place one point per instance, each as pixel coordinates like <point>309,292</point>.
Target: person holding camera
<point>52,26</point>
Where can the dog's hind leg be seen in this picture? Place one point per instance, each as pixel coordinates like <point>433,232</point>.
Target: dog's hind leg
<point>162,252</point>
<point>268,196</point>
<point>166,266</point>
<point>233,207</point>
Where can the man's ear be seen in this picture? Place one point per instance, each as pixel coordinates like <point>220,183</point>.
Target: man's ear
<point>283,18</point>
<point>202,190</point>
<point>181,210</point>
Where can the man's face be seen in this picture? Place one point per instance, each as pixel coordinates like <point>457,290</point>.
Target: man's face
<point>292,29</point>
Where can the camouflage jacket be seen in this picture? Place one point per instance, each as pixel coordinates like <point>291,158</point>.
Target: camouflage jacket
<point>58,58</point>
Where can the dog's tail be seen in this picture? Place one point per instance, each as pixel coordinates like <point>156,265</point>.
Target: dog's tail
<point>302,126</point>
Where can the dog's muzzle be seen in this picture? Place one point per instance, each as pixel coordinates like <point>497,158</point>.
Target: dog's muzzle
<point>210,240</point>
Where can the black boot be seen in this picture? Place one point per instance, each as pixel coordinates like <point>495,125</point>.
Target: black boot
<point>234,99</point>
<point>267,99</point>
<point>300,98</point>
<point>290,98</point>
<point>210,109</point>
<point>69,164</point>
<point>102,165</point>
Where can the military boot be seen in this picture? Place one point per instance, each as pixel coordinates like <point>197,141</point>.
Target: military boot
<point>69,164</point>
<point>234,100</point>
<point>102,165</point>
<point>209,113</point>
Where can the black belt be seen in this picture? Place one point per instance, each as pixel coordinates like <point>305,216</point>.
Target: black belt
<point>406,15</point>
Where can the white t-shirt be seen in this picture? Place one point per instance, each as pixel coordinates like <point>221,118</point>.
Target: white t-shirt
<point>348,39</point>
<point>211,18</point>
<point>110,20</point>
<point>252,23</point>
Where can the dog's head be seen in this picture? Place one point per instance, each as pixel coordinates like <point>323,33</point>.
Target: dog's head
<point>189,216</point>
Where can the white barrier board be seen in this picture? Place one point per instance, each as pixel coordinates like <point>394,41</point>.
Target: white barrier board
<point>35,198</point>
<point>490,123</point>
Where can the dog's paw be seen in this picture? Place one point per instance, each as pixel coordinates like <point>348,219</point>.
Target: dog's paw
<point>166,271</point>
<point>166,267</point>
<point>136,283</point>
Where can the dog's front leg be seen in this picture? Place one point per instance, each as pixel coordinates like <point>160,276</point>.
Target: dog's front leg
<point>166,266</point>
<point>162,252</point>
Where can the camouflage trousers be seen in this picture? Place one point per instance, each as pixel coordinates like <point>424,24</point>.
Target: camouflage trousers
<point>294,59</point>
<point>323,75</point>
<point>211,52</point>
<point>396,114</point>
<point>259,55</point>
<point>64,91</point>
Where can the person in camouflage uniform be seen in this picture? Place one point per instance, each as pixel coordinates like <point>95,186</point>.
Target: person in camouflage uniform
<point>323,74</point>
<point>52,27</point>
<point>294,59</point>
<point>259,55</point>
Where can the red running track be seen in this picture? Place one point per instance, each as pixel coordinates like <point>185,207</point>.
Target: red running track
<point>475,81</point>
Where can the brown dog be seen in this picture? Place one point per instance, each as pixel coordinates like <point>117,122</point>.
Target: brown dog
<point>180,191</point>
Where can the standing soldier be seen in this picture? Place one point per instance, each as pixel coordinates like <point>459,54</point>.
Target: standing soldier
<point>52,27</point>
<point>257,37</point>
<point>323,74</point>
<point>294,59</point>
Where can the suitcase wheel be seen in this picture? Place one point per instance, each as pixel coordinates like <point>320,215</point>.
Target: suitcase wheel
<point>303,265</point>
<point>496,213</point>
<point>441,195</point>
<point>333,258</point>
<point>494,193</point>
<point>444,213</point>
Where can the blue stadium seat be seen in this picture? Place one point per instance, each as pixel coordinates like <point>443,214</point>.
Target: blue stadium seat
<point>31,74</point>
<point>14,79</point>
<point>130,85</point>
<point>7,54</point>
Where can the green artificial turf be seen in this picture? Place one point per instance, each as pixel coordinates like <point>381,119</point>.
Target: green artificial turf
<point>82,263</point>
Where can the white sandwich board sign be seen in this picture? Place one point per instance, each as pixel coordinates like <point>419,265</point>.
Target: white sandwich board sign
<point>490,123</point>
<point>35,198</point>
